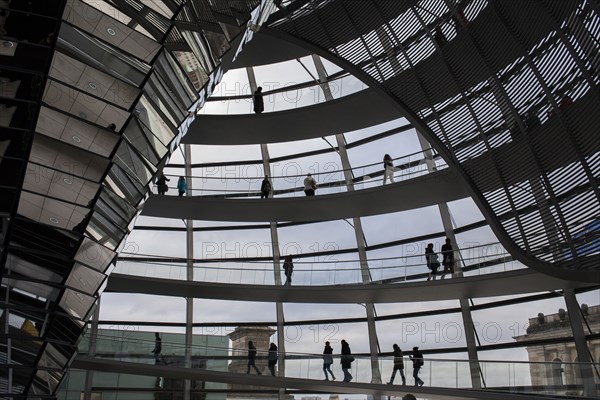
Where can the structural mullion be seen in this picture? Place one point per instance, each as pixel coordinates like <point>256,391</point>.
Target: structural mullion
<point>189,302</point>
<point>358,231</point>
<point>264,150</point>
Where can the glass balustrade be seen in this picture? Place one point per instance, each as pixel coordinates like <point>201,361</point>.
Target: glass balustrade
<point>512,376</point>
<point>365,176</point>
<point>485,259</point>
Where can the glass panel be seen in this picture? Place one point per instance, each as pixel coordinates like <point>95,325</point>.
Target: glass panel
<point>75,303</point>
<point>155,91</point>
<point>108,212</point>
<point>74,131</point>
<point>84,106</point>
<point>110,30</point>
<point>118,206</point>
<point>104,231</point>
<point>60,185</point>
<point>175,79</point>
<point>85,279</point>
<point>101,56</point>
<point>90,80</point>
<point>133,164</point>
<point>94,255</point>
<point>153,120</point>
<point>123,185</point>
<point>138,140</point>
<point>192,67</point>
<point>50,211</point>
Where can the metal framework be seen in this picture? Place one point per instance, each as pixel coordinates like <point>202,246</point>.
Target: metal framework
<point>463,85</point>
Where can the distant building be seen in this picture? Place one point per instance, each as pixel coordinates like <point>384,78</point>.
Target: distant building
<point>261,337</point>
<point>193,68</point>
<point>559,371</point>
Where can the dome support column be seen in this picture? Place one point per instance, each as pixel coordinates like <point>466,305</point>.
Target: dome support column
<point>468,325</point>
<point>189,248</point>
<point>266,159</point>
<point>583,351</point>
<point>358,231</point>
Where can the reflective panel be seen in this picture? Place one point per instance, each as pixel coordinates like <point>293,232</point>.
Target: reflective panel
<point>74,131</point>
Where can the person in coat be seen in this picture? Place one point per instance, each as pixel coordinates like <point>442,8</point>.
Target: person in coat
<point>310,185</point>
<point>259,104</point>
<point>157,348</point>
<point>417,360</point>
<point>328,361</point>
<point>288,269</point>
<point>265,188</point>
<point>432,261</point>
<point>398,365</point>
<point>447,258</point>
<point>252,358</point>
<point>346,361</point>
<point>181,186</point>
<point>388,168</point>
<point>272,358</point>
<point>161,184</point>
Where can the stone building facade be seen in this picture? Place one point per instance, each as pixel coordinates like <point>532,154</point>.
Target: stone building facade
<point>260,336</point>
<point>556,360</point>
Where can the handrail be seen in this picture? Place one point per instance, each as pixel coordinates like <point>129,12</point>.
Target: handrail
<point>301,355</point>
<point>331,272</point>
<point>311,262</point>
<point>367,178</point>
<point>434,157</point>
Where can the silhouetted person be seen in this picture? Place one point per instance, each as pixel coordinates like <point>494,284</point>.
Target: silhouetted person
<point>157,348</point>
<point>288,270</point>
<point>181,186</point>
<point>409,396</point>
<point>447,258</point>
<point>417,360</point>
<point>398,365</point>
<point>439,37</point>
<point>272,358</point>
<point>328,361</point>
<point>432,261</point>
<point>388,168</point>
<point>259,103</point>
<point>310,185</point>
<point>252,358</point>
<point>161,184</point>
<point>346,361</point>
<point>265,188</point>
